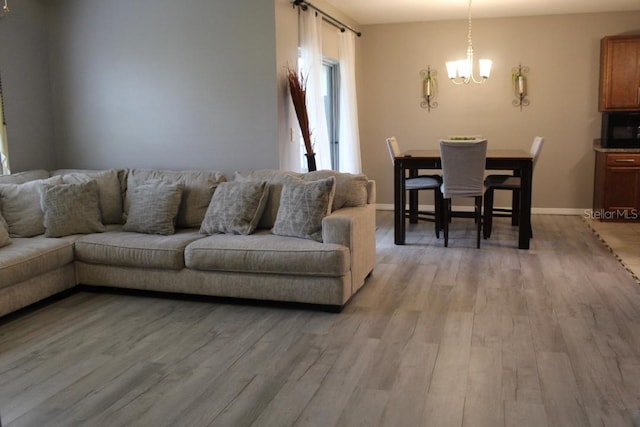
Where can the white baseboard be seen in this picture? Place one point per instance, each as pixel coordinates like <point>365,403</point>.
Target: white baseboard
<point>534,211</point>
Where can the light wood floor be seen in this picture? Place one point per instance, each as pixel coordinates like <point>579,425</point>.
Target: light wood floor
<point>437,337</point>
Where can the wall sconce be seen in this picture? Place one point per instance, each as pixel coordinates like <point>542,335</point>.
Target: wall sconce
<point>429,89</point>
<point>5,9</point>
<point>519,81</point>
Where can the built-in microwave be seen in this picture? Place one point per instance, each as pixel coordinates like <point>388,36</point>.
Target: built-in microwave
<point>620,130</point>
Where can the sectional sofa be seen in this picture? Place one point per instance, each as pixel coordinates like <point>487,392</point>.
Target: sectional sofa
<point>263,234</point>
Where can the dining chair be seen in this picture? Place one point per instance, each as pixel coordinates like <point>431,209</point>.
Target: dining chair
<point>463,166</point>
<point>510,183</point>
<point>413,184</point>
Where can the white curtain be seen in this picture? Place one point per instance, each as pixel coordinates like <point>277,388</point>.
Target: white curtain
<point>311,52</point>
<point>4,145</point>
<point>349,147</point>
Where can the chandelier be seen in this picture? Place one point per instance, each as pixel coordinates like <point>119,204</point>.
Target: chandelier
<point>5,9</point>
<point>461,71</point>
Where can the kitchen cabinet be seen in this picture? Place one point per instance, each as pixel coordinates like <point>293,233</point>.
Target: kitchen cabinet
<point>620,73</point>
<point>616,195</point>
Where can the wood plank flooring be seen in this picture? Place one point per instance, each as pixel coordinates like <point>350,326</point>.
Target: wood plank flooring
<point>437,337</point>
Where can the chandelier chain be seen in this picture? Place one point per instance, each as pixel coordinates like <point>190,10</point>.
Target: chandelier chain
<point>469,33</point>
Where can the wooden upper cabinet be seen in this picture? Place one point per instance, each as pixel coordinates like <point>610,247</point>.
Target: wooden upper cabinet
<point>620,73</point>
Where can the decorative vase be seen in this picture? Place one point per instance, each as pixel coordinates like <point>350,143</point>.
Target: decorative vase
<point>311,161</point>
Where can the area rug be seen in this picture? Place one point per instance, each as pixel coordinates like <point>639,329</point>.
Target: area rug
<point>605,237</point>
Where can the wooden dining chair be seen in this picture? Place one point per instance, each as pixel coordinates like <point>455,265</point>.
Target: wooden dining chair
<point>462,176</point>
<point>413,185</point>
<point>509,183</point>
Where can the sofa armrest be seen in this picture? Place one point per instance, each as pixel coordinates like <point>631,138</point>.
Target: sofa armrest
<point>354,228</point>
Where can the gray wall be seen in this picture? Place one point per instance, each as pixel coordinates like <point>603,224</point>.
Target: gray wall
<point>25,81</point>
<point>168,84</point>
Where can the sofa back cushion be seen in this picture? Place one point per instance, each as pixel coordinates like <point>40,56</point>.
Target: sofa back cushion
<point>21,208</point>
<point>274,179</point>
<point>109,189</point>
<point>22,177</point>
<point>198,189</point>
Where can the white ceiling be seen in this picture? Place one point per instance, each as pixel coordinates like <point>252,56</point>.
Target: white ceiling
<point>392,11</point>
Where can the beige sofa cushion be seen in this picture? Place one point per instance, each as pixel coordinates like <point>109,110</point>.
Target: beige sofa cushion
<point>29,257</point>
<point>129,249</point>
<point>109,188</point>
<point>264,252</point>
<point>198,189</point>
<point>21,208</point>
<point>274,179</point>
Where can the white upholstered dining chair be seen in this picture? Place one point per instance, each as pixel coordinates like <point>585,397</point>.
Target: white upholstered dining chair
<point>463,164</point>
<point>413,185</point>
<point>509,183</point>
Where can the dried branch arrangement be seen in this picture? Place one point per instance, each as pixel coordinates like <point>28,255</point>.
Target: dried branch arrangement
<point>298,89</point>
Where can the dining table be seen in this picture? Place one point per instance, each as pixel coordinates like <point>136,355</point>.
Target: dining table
<point>518,161</point>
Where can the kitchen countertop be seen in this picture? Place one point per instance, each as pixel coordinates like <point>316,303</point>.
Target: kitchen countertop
<point>598,147</point>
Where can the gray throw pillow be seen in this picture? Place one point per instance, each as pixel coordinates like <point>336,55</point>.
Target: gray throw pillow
<point>303,205</point>
<point>196,195</point>
<point>109,190</point>
<point>4,233</point>
<point>351,189</point>
<point>154,207</point>
<point>71,209</point>
<point>274,179</point>
<point>235,208</point>
<point>21,206</point>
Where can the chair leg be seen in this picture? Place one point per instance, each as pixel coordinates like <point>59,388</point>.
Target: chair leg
<point>437,206</point>
<point>478,219</point>
<point>413,206</point>
<point>515,207</point>
<point>488,213</point>
<point>445,221</point>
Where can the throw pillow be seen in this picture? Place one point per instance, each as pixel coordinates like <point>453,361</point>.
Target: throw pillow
<point>303,205</point>
<point>274,178</point>
<point>154,207</point>
<point>196,195</point>
<point>235,208</point>
<point>21,206</point>
<point>71,209</point>
<point>109,190</point>
<point>4,233</point>
<point>351,189</point>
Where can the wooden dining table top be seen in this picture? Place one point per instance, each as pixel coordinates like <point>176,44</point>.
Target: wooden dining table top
<point>494,153</point>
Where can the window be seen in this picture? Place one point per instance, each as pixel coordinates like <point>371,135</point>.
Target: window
<point>331,92</point>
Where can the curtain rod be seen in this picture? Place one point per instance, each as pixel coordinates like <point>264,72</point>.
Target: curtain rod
<point>330,19</point>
